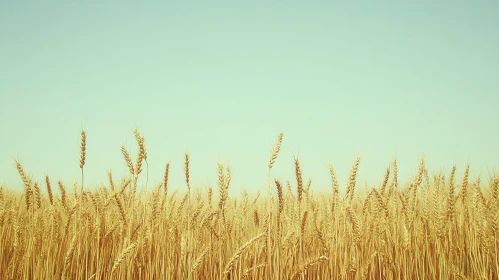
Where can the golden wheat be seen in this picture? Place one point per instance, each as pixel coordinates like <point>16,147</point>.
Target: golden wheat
<point>425,229</point>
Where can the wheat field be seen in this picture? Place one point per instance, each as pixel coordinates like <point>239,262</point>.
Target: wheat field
<point>437,226</point>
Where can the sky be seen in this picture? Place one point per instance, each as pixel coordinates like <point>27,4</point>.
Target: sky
<point>220,80</point>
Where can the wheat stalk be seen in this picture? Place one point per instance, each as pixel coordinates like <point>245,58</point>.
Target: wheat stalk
<point>122,256</point>
<point>241,250</point>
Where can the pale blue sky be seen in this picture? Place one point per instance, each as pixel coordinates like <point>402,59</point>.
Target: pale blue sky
<point>220,80</point>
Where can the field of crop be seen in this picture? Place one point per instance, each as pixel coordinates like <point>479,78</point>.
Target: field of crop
<point>438,226</point>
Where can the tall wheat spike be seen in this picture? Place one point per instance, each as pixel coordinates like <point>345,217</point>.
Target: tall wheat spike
<point>83,153</point>
<point>273,157</point>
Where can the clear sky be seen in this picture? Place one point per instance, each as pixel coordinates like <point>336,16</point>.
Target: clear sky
<point>221,79</point>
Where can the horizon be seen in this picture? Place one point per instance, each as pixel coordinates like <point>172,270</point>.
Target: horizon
<point>366,185</point>
<point>221,80</point>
